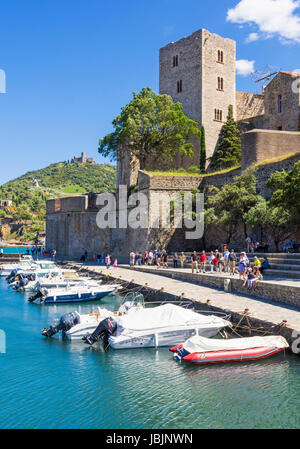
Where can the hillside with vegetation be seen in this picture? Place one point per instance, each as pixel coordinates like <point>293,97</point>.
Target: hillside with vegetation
<point>29,193</point>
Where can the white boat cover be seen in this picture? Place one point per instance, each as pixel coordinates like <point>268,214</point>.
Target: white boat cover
<point>201,344</point>
<point>167,315</point>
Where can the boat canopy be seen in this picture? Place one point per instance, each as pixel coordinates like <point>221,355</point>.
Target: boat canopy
<point>201,344</point>
<point>167,315</point>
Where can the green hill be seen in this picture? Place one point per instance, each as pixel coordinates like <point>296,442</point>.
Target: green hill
<point>60,179</point>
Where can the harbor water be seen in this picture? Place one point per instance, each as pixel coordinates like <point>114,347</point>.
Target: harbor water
<point>51,383</point>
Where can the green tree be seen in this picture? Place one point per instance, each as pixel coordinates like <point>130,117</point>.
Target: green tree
<point>229,149</point>
<point>276,221</point>
<point>202,151</point>
<point>285,188</point>
<point>229,204</point>
<point>150,125</point>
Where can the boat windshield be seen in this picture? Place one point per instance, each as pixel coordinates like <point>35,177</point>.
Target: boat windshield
<point>136,299</point>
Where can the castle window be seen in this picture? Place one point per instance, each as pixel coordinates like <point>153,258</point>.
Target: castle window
<point>175,61</point>
<point>179,86</point>
<point>218,115</point>
<point>279,103</point>
<point>220,83</point>
<point>220,56</point>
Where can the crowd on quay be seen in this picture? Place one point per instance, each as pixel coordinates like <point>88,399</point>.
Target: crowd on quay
<point>101,259</point>
<point>39,251</point>
<point>227,262</point>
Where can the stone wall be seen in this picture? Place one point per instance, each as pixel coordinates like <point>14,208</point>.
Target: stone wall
<point>249,105</point>
<point>288,118</point>
<point>259,145</point>
<point>71,227</point>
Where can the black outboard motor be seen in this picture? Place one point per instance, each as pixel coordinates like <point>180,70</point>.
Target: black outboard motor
<point>10,278</point>
<point>31,277</point>
<point>22,283</point>
<point>65,323</point>
<point>40,294</point>
<point>104,330</point>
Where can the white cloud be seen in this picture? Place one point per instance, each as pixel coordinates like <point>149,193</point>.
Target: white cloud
<point>244,67</point>
<point>252,37</point>
<point>272,17</point>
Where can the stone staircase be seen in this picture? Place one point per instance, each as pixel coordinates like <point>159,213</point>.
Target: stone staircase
<point>285,266</point>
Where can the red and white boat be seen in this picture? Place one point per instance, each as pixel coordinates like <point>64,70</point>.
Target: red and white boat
<point>200,351</point>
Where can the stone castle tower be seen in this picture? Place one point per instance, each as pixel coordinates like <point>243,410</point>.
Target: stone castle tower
<point>199,72</point>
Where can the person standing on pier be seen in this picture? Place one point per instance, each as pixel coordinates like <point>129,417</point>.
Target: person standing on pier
<point>203,260</point>
<point>226,260</point>
<point>175,260</point>
<point>165,259</point>
<point>243,265</point>
<point>132,258</point>
<point>194,259</point>
<point>150,258</point>
<point>107,261</point>
<point>182,259</point>
<point>211,261</point>
<point>232,262</point>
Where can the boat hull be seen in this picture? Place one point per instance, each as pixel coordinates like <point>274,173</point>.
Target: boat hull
<point>241,355</point>
<point>85,297</point>
<point>160,339</point>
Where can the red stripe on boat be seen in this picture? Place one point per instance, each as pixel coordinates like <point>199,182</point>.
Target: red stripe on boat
<point>240,355</point>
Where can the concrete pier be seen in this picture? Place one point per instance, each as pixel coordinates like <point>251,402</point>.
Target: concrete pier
<point>261,312</point>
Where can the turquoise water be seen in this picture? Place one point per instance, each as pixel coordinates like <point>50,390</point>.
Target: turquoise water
<point>15,250</point>
<point>56,384</point>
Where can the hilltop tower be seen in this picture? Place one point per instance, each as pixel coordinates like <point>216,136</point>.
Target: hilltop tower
<point>199,72</point>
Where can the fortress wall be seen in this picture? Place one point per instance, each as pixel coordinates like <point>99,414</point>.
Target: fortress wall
<point>259,145</point>
<point>72,232</point>
<point>248,105</point>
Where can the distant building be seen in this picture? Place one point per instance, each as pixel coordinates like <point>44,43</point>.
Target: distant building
<point>35,182</point>
<point>5,203</point>
<point>83,159</point>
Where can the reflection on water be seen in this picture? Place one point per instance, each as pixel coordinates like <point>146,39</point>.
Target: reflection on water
<point>55,383</point>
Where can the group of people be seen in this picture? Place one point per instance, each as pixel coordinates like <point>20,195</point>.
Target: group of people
<point>157,258</point>
<point>39,251</point>
<point>220,262</point>
<point>101,259</point>
<point>254,246</point>
<point>217,261</point>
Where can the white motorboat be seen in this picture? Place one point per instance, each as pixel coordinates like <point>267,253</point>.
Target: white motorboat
<point>80,293</point>
<point>54,282</point>
<point>51,272</point>
<point>165,325</point>
<point>75,326</point>
<point>25,262</point>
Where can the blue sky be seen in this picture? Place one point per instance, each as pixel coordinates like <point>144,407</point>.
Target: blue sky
<point>71,64</point>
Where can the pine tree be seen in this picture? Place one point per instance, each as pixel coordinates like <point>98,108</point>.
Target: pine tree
<point>229,150</point>
<point>202,151</point>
